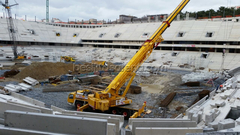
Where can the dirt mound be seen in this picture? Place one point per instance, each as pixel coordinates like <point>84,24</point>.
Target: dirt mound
<point>42,70</point>
<point>10,73</point>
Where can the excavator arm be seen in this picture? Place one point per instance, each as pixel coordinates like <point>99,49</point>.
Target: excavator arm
<point>110,96</point>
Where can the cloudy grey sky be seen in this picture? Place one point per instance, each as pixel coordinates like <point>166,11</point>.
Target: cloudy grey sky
<point>107,9</point>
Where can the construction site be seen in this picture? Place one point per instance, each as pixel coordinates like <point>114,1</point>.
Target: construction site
<point>61,79</point>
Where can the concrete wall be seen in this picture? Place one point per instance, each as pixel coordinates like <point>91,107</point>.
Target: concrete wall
<point>57,109</point>
<point>28,99</point>
<point>9,106</point>
<point>120,117</point>
<point>167,131</point>
<point>55,123</point>
<point>17,131</point>
<point>113,123</point>
<point>118,120</point>
<point>43,109</point>
<point>166,124</point>
<point>131,120</point>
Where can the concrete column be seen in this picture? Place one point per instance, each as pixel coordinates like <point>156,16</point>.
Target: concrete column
<point>187,16</point>
<point>156,18</point>
<point>178,17</point>
<point>227,51</point>
<point>149,18</point>
<point>164,17</point>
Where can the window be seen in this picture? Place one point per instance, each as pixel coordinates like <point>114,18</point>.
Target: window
<point>209,34</point>
<point>75,34</point>
<point>12,30</point>
<point>58,34</point>
<point>70,96</point>
<point>204,55</point>
<point>144,35</point>
<point>101,35</point>
<point>181,34</point>
<point>175,53</point>
<point>117,35</point>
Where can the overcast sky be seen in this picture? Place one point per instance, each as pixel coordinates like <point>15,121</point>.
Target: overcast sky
<point>107,9</point>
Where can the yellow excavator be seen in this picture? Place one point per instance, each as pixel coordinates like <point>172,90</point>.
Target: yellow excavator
<point>112,97</point>
<point>68,58</point>
<point>101,63</point>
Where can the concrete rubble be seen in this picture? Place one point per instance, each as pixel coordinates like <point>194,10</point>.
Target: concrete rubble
<point>199,76</point>
<point>221,104</point>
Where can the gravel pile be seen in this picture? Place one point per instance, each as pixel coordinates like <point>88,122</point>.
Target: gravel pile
<point>58,99</point>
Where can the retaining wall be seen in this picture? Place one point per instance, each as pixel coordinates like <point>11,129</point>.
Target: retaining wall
<point>17,131</point>
<point>167,131</point>
<point>9,106</point>
<point>55,123</point>
<point>167,124</point>
<point>28,99</point>
<point>43,109</point>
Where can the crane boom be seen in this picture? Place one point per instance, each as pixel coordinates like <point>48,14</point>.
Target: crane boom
<point>11,27</point>
<point>143,53</point>
<point>110,97</point>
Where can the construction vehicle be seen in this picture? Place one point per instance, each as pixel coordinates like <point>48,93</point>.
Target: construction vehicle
<point>79,97</point>
<point>101,63</point>
<point>112,99</point>
<point>12,31</point>
<point>68,58</point>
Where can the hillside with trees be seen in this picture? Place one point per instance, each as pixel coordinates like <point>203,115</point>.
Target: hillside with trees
<point>211,13</point>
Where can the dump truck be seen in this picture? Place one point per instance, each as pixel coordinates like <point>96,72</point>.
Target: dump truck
<point>112,99</point>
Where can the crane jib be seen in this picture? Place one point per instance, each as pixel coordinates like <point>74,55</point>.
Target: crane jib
<point>108,98</point>
<point>182,5</point>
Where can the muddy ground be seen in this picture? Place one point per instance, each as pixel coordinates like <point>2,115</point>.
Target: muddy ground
<point>154,89</point>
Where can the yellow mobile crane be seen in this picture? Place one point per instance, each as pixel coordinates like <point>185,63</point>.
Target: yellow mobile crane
<point>111,97</point>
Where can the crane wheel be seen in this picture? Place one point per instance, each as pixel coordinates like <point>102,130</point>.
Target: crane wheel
<point>78,104</point>
<point>125,114</point>
<point>114,111</point>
